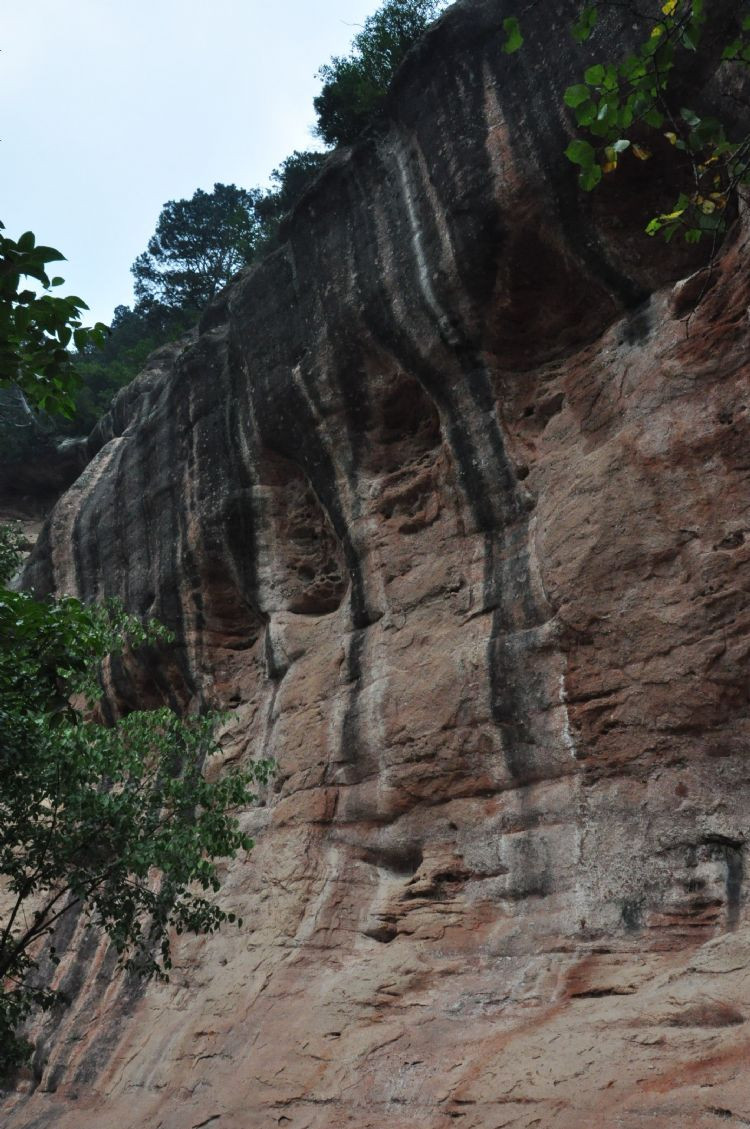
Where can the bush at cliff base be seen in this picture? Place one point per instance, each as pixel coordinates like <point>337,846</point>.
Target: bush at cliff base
<point>108,827</point>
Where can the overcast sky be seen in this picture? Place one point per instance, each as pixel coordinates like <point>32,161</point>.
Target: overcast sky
<point>109,109</point>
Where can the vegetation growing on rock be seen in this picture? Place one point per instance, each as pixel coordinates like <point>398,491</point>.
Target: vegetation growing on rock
<point>355,86</point>
<point>628,106</point>
<point>114,823</point>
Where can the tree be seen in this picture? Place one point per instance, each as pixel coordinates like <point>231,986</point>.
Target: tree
<point>134,334</point>
<point>36,329</point>
<point>354,87</point>
<point>633,105</point>
<point>116,823</point>
<point>289,181</point>
<point>199,244</point>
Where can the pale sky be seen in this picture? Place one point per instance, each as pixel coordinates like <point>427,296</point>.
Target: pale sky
<point>109,108</point>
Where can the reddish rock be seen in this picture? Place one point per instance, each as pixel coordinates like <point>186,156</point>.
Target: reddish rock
<point>450,500</point>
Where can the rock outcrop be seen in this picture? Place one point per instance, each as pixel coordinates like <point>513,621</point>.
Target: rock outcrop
<point>449,501</point>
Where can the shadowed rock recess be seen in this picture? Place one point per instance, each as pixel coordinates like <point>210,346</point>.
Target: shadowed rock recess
<point>449,501</point>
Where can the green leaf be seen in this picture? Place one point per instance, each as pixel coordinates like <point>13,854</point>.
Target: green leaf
<point>48,255</point>
<point>581,153</point>
<point>576,95</point>
<point>586,113</point>
<point>610,78</point>
<point>690,117</point>
<point>584,25</point>
<point>513,36</point>
<point>589,177</point>
<point>595,75</point>
<point>633,68</point>
<point>654,117</point>
<point>689,38</point>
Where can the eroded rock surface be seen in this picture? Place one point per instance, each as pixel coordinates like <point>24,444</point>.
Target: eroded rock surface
<point>450,500</point>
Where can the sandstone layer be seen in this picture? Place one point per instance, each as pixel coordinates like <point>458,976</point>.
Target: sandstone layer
<point>449,502</point>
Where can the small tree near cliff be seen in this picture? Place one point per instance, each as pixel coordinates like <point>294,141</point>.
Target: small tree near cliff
<point>199,244</point>
<point>114,823</point>
<point>355,86</point>
<point>289,181</point>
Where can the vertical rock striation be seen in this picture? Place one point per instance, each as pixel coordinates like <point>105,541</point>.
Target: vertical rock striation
<point>448,499</point>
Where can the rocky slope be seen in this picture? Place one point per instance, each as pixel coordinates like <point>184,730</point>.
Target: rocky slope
<point>450,501</point>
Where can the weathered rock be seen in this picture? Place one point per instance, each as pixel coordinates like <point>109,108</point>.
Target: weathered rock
<point>450,500</point>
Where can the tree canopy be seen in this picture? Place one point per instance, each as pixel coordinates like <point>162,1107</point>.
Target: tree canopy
<point>355,86</point>
<point>117,824</point>
<point>289,181</point>
<point>199,244</point>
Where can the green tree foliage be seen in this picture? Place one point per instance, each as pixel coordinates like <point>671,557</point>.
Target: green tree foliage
<point>199,244</point>
<point>116,823</point>
<point>355,86</point>
<point>630,105</point>
<point>134,334</point>
<point>289,181</point>
<point>12,543</point>
<point>36,329</point>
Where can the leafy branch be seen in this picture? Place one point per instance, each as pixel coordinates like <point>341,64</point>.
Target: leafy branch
<point>37,329</point>
<point>618,103</point>
<point>116,823</point>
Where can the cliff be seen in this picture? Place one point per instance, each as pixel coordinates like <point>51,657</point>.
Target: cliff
<point>448,501</point>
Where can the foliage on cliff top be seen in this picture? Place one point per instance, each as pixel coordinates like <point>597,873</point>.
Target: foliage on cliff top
<point>355,86</point>
<point>198,245</point>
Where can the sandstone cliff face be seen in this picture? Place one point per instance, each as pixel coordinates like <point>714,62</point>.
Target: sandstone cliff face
<point>450,501</point>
